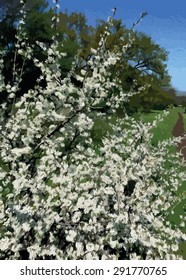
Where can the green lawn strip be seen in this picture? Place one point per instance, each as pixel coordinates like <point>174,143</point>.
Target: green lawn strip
<point>162,132</point>
<point>164,128</point>
<point>148,117</point>
<point>184,121</point>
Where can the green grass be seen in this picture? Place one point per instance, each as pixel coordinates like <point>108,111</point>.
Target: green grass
<point>184,121</point>
<point>148,117</point>
<point>162,132</point>
<point>164,128</point>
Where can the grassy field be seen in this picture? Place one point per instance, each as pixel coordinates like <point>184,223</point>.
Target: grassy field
<point>184,120</point>
<point>162,132</point>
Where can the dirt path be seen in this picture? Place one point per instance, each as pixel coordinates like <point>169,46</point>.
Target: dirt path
<point>178,130</point>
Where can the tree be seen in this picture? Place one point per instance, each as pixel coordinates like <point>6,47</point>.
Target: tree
<point>153,97</point>
<point>143,59</point>
<point>63,199</point>
<point>181,100</point>
<point>72,30</point>
<point>37,28</point>
<point>76,36</point>
<point>13,6</point>
<point>143,62</point>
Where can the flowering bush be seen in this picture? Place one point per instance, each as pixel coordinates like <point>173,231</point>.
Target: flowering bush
<point>63,198</point>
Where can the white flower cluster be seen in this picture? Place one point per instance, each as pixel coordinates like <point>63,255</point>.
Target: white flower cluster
<point>60,198</point>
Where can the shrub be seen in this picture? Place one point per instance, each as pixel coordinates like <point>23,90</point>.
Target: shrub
<point>63,199</point>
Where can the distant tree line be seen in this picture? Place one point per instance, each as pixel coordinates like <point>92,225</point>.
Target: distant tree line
<point>181,100</point>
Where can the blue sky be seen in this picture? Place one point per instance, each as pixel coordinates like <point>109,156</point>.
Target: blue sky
<point>165,23</point>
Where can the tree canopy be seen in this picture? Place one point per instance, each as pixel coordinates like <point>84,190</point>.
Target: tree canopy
<point>144,61</point>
